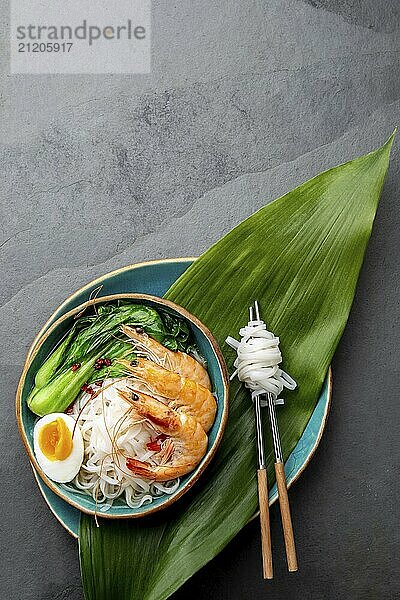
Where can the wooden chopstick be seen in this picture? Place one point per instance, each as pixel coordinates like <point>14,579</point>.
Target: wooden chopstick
<point>266,546</point>
<point>286,517</point>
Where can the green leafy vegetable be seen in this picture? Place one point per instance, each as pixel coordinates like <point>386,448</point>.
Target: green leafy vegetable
<point>178,334</point>
<point>300,257</point>
<point>58,394</point>
<point>97,335</point>
<point>119,349</point>
<point>50,366</point>
<point>107,322</point>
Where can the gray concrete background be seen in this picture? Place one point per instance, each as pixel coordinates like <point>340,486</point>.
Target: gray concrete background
<point>245,101</point>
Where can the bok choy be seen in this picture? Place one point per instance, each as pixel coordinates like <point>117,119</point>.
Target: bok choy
<point>72,363</point>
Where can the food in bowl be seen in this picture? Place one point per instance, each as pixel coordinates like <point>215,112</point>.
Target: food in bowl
<point>133,383</point>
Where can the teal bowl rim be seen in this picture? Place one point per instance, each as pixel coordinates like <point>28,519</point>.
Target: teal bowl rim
<point>220,361</point>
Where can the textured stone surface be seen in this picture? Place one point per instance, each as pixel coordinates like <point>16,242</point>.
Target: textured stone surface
<point>245,101</point>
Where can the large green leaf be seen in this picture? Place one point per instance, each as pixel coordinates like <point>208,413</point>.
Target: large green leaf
<point>300,256</point>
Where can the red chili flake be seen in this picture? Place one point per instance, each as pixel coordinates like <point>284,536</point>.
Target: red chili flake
<point>99,382</point>
<point>86,388</point>
<point>75,366</point>
<point>101,362</point>
<point>70,408</point>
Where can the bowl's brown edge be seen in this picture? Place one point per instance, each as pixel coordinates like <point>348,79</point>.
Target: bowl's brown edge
<point>80,308</point>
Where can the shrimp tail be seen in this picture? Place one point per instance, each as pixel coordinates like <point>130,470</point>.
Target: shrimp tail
<point>139,468</point>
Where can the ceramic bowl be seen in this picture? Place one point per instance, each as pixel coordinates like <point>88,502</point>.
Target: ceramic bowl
<point>218,375</point>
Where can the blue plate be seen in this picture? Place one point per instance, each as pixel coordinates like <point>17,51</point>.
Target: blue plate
<point>155,278</point>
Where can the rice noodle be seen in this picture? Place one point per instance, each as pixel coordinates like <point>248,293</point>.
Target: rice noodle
<point>111,432</point>
<point>258,357</point>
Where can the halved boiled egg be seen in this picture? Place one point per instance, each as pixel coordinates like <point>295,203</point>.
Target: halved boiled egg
<point>58,447</point>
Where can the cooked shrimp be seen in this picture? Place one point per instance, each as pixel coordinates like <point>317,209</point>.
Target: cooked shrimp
<point>178,362</point>
<point>183,450</point>
<point>180,392</point>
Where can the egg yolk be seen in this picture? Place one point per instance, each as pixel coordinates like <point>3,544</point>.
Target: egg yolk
<point>55,440</point>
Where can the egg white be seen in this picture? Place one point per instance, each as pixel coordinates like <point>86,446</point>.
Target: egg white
<point>65,470</point>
